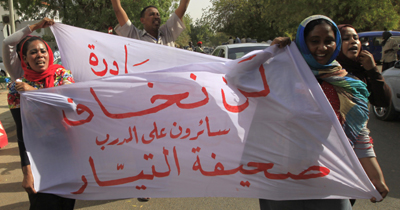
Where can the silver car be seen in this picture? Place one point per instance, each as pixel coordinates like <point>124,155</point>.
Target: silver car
<point>235,51</point>
<point>392,79</point>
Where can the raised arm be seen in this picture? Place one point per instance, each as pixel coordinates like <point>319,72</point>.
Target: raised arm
<point>122,17</point>
<point>10,57</point>
<point>180,11</point>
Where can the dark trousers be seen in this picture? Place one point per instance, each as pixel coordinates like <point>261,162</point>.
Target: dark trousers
<point>387,65</point>
<point>44,201</point>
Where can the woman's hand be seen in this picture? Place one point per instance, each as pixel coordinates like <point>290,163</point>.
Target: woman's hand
<point>27,182</point>
<point>44,23</point>
<point>374,173</point>
<point>22,86</point>
<point>382,189</point>
<point>281,41</point>
<point>367,60</point>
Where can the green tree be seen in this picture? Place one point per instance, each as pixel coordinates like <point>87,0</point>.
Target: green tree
<point>184,37</point>
<point>266,19</point>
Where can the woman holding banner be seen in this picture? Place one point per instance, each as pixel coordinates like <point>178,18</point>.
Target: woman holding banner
<point>319,41</point>
<point>361,64</point>
<point>29,60</point>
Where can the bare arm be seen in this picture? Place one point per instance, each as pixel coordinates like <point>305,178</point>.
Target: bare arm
<point>374,172</point>
<point>27,182</point>
<point>180,11</point>
<point>122,17</point>
<point>44,23</point>
<point>10,57</point>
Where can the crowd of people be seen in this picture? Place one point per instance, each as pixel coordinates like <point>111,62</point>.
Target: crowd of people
<point>346,73</point>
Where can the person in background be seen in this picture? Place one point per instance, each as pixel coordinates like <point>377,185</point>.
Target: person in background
<point>237,40</point>
<point>248,40</point>
<point>389,50</point>
<point>243,40</point>
<point>199,48</point>
<point>56,53</point>
<point>230,41</point>
<point>30,62</point>
<point>361,64</point>
<point>190,48</point>
<point>153,31</point>
<point>319,42</point>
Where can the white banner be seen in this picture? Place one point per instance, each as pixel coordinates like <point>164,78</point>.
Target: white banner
<point>98,54</point>
<point>257,127</point>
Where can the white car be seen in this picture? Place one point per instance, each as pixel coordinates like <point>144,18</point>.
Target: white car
<point>2,68</point>
<point>235,51</point>
<point>392,79</point>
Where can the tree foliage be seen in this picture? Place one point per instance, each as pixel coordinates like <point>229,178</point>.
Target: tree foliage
<point>184,37</point>
<point>266,19</point>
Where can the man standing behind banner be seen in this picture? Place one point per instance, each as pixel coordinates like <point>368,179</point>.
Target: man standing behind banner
<point>150,18</point>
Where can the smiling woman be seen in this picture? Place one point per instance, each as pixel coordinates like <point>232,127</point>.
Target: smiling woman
<point>319,40</point>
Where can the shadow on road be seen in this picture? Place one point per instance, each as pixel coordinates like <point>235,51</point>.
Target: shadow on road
<point>8,168</point>
<point>84,204</point>
<point>11,187</point>
<point>21,205</point>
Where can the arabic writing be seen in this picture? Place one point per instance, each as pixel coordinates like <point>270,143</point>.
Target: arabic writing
<point>94,61</point>
<point>158,133</point>
<point>170,100</point>
<point>219,170</point>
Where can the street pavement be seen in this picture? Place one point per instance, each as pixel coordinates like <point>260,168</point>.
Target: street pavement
<point>12,196</point>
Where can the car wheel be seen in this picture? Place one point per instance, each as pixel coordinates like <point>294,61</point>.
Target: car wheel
<point>385,113</point>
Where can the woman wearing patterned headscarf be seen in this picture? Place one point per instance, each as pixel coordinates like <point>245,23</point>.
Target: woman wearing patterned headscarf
<point>319,41</point>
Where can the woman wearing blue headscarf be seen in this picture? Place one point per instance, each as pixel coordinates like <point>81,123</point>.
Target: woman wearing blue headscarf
<point>319,41</point>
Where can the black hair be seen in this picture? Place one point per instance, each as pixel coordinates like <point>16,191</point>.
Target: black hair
<point>26,41</point>
<point>144,10</point>
<point>311,25</point>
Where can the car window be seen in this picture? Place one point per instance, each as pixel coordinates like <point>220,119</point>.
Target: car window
<point>216,52</point>
<point>377,41</point>
<point>235,53</point>
<point>222,55</point>
<point>397,38</point>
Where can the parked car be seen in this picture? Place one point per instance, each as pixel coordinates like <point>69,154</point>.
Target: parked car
<point>3,68</point>
<point>235,51</point>
<point>372,42</point>
<point>392,79</point>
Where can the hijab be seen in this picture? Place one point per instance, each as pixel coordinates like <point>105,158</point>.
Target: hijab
<point>48,75</point>
<point>352,93</point>
<point>350,65</point>
<point>302,45</point>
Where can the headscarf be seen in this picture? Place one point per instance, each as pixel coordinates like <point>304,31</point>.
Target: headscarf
<point>385,35</point>
<point>347,63</point>
<point>352,93</point>
<point>47,75</point>
<point>302,45</point>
